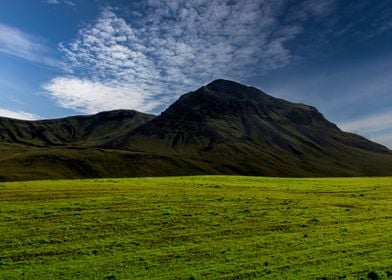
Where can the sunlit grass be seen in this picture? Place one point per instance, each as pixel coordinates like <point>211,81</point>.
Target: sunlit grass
<point>197,228</point>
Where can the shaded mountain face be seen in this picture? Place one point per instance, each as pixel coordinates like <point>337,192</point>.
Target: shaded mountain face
<point>240,129</point>
<point>221,128</point>
<point>226,112</point>
<point>79,130</point>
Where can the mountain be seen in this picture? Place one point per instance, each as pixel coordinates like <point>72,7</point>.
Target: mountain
<point>69,148</point>
<point>221,128</point>
<point>78,130</point>
<point>242,130</point>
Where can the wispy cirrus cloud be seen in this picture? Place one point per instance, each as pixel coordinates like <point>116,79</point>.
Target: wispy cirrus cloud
<point>385,139</point>
<point>21,115</point>
<point>173,46</point>
<point>23,45</point>
<point>369,124</point>
<point>376,127</point>
<point>70,3</point>
<point>57,2</point>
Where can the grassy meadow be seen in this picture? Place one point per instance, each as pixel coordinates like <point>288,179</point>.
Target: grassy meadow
<point>204,227</point>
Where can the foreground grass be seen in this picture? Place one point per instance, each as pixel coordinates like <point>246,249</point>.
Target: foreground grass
<point>197,228</point>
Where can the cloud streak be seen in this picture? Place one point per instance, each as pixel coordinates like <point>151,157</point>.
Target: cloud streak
<point>20,44</point>
<point>377,127</point>
<point>369,124</point>
<point>170,47</point>
<point>385,139</point>
<point>20,115</point>
<point>58,2</point>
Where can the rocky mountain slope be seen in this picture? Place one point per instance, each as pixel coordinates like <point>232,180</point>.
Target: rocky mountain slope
<point>78,130</point>
<point>221,128</point>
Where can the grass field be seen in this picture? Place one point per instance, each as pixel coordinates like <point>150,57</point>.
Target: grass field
<point>204,227</point>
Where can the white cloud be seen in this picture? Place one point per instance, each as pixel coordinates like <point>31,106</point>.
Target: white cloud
<point>319,7</point>
<point>369,124</point>
<point>89,97</point>
<point>20,44</point>
<point>172,46</point>
<point>56,2</point>
<point>376,127</point>
<point>70,3</point>
<point>21,115</point>
<point>385,139</point>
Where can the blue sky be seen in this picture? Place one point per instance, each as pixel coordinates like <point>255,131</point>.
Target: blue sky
<point>66,57</point>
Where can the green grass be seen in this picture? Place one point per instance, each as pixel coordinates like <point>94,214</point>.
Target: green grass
<point>204,227</point>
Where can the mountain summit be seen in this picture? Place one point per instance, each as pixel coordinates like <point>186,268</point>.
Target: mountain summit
<point>236,129</point>
<point>225,128</point>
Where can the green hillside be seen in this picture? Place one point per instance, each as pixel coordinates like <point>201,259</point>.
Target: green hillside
<point>197,228</point>
<point>19,162</point>
<point>238,129</point>
<point>89,130</point>
<point>221,128</point>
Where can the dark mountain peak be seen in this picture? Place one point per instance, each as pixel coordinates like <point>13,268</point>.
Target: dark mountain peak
<point>227,112</point>
<point>226,85</point>
<point>232,90</point>
<point>120,114</point>
<point>222,98</point>
<point>219,95</point>
<point>249,95</point>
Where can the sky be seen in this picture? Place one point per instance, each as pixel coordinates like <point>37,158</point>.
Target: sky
<point>65,57</point>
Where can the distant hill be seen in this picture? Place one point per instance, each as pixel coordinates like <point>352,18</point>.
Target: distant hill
<point>78,130</point>
<point>221,128</point>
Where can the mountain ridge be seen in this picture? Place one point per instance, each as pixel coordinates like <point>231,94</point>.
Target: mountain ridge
<point>221,128</point>
<point>234,98</point>
<point>70,130</point>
